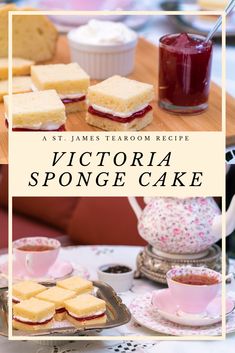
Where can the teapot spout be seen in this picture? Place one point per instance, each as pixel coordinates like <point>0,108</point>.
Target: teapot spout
<point>230,221</point>
<point>135,206</point>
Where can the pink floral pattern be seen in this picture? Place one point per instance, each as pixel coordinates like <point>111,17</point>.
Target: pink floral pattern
<point>143,313</point>
<point>179,225</point>
<point>36,241</point>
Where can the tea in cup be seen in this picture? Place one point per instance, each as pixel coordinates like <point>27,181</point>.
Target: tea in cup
<point>193,288</point>
<point>35,255</point>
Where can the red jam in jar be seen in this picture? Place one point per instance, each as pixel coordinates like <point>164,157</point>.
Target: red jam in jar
<point>184,73</point>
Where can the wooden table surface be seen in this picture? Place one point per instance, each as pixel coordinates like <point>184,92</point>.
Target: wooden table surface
<point>146,71</point>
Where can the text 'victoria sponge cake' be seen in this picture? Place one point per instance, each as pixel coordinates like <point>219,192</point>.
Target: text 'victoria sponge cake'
<point>57,296</point>
<point>25,290</point>
<point>69,80</point>
<point>42,110</point>
<point>120,104</point>
<point>33,314</point>
<point>86,310</point>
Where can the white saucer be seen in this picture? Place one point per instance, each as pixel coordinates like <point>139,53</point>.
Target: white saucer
<point>164,303</point>
<point>143,313</point>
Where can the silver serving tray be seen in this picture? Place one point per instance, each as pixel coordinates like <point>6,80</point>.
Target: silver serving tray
<point>117,315</point>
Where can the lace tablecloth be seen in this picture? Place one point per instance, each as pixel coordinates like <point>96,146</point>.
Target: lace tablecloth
<point>87,259</point>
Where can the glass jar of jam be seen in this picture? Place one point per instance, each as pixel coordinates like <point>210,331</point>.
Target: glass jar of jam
<point>184,73</point>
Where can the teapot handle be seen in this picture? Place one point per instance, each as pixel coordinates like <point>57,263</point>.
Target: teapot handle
<point>135,206</point>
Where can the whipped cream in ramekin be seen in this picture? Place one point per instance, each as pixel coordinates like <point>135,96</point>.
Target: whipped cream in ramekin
<point>103,48</point>
<point>103,33</point>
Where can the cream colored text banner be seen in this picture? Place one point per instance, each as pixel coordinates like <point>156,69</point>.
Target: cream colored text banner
<point>114,164</point>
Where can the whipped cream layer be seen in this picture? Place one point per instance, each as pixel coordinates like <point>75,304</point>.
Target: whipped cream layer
<point>23,319</point>
<point>71,95</point>
<point>40,126</point>
<point>63,95</point>
<point>97,32</point>
<point>16,299</point>
<point>123,115</point>
<point>93,314</point>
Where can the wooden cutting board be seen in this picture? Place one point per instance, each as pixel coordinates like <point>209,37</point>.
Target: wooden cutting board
<point>146,71</point>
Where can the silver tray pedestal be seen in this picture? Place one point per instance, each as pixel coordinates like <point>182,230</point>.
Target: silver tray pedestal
<point>154,267</point>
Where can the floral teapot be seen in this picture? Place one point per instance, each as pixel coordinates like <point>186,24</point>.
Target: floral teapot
<point>182,225</point>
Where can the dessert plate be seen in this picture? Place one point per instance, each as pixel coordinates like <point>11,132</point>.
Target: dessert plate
<point>163,302</point>
<point>142,311</point>
<point>58,270</point>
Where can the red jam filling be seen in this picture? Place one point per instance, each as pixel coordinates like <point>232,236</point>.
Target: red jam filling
<point>32,323</point>
<point>15,301</point>
<point>61,128</point>
<point>73,100</point>
<point>86,318</point>
<point>60,311</point>
<point>140,114</point>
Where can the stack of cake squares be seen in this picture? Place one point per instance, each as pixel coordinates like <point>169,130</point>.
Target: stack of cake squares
<point>36,307</point>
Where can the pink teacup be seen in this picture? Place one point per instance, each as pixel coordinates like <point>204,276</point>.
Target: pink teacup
<point>35,255</point>
<point>193,298</point>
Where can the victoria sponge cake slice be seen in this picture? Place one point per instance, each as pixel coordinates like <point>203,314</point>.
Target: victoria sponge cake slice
<point>20,67</point>
<point>69,80</point>
<point>58,296</point>
<point>77,284</point>
<point>33,314</point>
<point>120,104</point>
<point>26,290</point>
<point>34,111</point>
<point>86,310</point>
<point>21,84</point>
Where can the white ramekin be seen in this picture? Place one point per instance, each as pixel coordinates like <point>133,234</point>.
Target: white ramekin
<point>120,282</point>
<point>103,61</point>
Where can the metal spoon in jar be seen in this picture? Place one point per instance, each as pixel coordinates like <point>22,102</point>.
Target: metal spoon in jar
<point>218,23</point>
